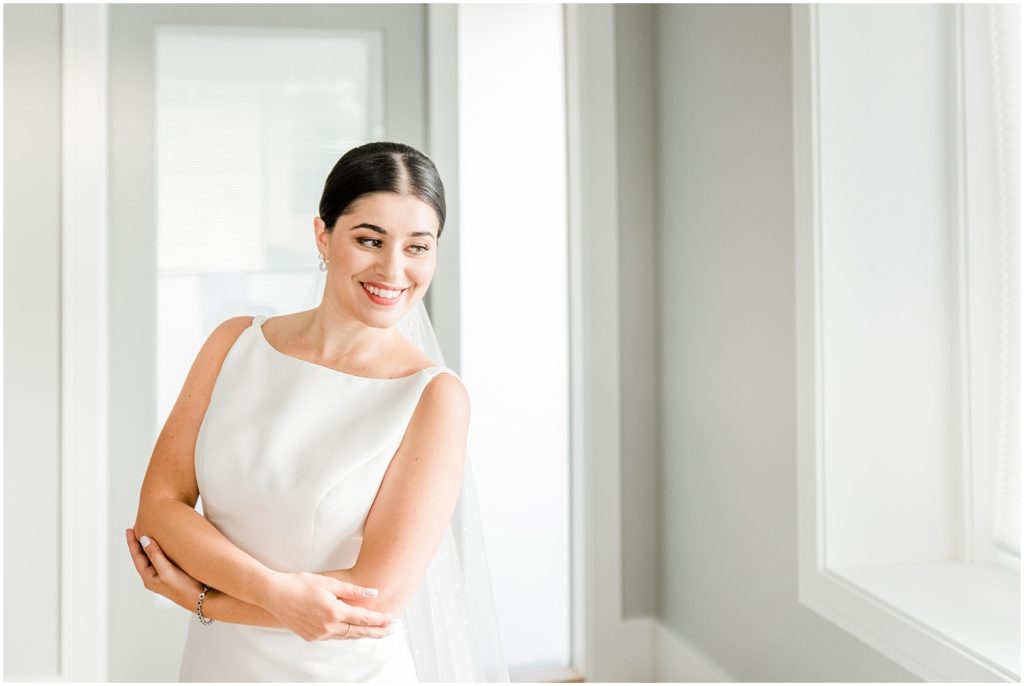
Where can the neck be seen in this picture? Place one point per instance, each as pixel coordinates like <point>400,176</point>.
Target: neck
<point>337,337</point>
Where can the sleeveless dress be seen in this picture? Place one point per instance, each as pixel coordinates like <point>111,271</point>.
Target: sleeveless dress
<point>289,458</point>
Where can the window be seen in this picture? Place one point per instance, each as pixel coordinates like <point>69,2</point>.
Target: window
<point>515,331</point>
<point>249,121</point>
<point>906,134</point>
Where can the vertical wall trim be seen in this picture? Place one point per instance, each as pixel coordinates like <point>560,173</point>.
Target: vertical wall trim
<point>611,648</point>
<point>444,298</point>
<point>808,291</point>
<point>961,275</point>
<point>580,585</point>
<point>84,406</point>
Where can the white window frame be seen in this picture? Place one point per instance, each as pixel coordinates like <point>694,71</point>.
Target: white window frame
<point>895,608</point>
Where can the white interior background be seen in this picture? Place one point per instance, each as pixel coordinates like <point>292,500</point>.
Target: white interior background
<point>712,535</point>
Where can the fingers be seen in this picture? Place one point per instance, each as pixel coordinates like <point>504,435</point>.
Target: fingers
<point>139,557</point>
<point>347,589</point>
<point>158,562</point>
<point>358,615</point>
<point>361,616</point>
<point>361,632</point>
<point>156,556</point>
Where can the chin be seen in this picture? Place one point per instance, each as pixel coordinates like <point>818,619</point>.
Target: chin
<point>386,320</point>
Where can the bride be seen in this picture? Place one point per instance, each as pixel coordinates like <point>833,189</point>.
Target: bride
<point>341,538</point>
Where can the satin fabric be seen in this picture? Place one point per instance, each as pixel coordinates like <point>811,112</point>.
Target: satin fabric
<point>289,458</point>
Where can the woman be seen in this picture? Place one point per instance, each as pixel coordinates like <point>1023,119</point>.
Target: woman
<point>329,450</point>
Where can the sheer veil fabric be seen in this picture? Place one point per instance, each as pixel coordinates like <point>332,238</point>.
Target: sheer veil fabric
<point>451,620</point>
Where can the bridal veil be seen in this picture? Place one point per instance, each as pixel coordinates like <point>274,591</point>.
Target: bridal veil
<point>451,620</point>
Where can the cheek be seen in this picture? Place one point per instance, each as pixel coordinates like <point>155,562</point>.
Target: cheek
<point>423,273</point>
<point>352,261</point>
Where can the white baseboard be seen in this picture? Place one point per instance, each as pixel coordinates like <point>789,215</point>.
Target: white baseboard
<point>678,660</point>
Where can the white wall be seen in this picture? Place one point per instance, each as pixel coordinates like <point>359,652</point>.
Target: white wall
<point>32,268</point>
<point>728,569</point>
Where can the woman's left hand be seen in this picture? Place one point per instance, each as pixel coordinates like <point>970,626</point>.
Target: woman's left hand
<point>162,576</point>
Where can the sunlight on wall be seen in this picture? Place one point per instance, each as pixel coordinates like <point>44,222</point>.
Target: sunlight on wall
<point>514,275</point>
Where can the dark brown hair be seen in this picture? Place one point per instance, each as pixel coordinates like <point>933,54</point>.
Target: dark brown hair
<point>381,167</point>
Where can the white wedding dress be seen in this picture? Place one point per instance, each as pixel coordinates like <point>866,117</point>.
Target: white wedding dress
<point>289,458</point>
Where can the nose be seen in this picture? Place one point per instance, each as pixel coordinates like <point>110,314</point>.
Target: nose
<point>390,264</point>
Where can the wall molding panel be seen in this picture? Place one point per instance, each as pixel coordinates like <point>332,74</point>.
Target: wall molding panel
<point>84,525</point>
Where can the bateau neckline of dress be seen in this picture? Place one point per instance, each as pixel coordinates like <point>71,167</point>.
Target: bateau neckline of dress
<point>257,323</point>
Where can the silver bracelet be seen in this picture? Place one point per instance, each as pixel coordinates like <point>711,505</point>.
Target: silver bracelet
<point>199,606</point>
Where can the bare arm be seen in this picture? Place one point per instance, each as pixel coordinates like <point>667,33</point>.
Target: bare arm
<point>170,490</point>
<point>161,575</point>
<point>416,499</point>
<point>224,607</point>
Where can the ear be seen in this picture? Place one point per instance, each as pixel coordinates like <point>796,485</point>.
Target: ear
<point>321,235</point>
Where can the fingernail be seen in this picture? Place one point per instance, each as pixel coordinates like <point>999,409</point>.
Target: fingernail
<point>144,541</point>
<point>372,591</point>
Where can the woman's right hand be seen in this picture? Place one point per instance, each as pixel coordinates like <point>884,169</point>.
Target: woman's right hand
<point>313,606</point>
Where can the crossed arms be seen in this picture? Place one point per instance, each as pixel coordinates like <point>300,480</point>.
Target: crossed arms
<point>402,531</point>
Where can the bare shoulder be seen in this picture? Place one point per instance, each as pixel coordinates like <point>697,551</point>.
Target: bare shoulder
<point>443,408</point>
<point>210,358</point>
<point>228,331</point>
<point>446,388</point>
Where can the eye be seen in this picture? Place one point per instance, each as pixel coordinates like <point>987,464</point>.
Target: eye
<point>422,248</point>
<point>360,240</point>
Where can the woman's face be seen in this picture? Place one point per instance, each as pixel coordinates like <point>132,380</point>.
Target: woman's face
<point>386,242</point>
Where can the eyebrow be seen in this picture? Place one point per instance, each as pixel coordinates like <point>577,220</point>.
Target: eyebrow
<point>378,229</point>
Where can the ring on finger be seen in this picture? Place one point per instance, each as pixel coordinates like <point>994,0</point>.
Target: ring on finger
<point>347,630</point>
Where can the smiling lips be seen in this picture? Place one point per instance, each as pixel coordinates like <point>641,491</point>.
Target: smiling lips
<point>383,296</point>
